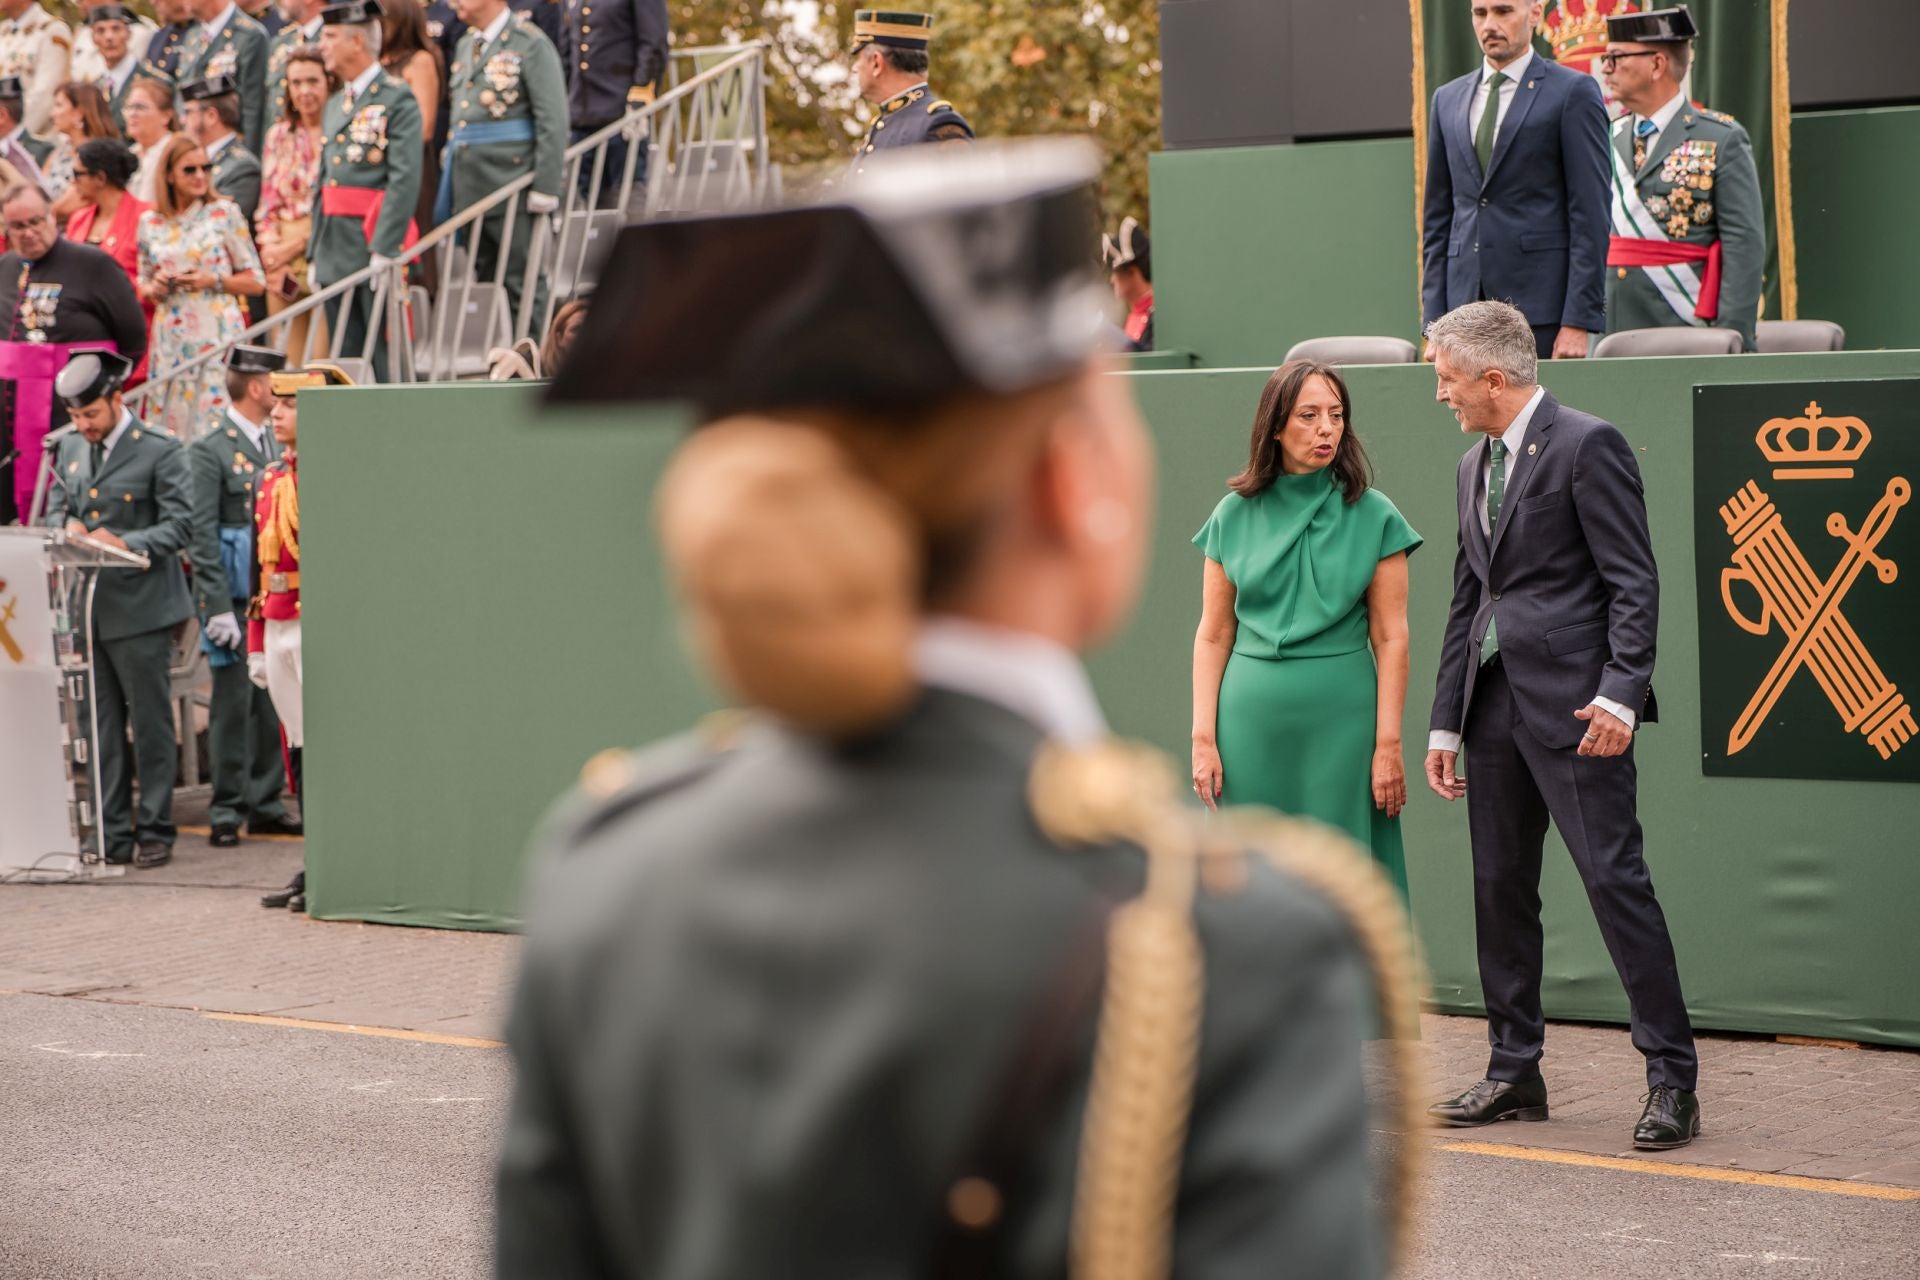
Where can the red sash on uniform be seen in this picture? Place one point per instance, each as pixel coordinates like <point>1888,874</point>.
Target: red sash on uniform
<point>363,203</point>
<point>1628,251</point>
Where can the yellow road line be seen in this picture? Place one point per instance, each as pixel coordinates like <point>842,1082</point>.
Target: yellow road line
<point>354,1029</point>
<point>1705,1173</point>
<point>244,837</point>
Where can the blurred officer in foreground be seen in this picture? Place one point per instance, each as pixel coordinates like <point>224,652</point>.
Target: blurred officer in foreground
<point>890,63</point>
<point>119,482</point>
<point>229,462</point>
<point>1689,239</point>
<point>273,623</point>
<point>816,995</point>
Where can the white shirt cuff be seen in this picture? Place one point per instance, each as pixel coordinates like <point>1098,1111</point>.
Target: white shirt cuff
<point>1614,708</point>
<point>1443,740</point>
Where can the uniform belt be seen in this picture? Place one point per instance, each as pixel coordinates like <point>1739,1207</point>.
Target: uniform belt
<point>474,135</point>
<point>280,584</point>
<point>362,203</point>
<point>1631,251</point>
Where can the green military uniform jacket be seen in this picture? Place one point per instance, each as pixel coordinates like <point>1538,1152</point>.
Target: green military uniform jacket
<point>227,475</point>
<point>142,494</point>
<point>1698,184</point>
<point>373,144</point>
<point>282,43</point>
<point>236,175</point>
<point>238,50</point>
<point>517,78</point>
<point>41,149</point>
<point>769,996</point>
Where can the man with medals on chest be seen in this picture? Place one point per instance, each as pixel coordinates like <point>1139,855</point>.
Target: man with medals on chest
<point>170,44</point>
<point>229,463</point>
<point>229,44</point>
<point>890,63</point>
<point>369,174</point>
<point>119,482</point>
<point>56,297</point>
<point>1689,235</point>
<point>37,47</point>
<point>509,118</point>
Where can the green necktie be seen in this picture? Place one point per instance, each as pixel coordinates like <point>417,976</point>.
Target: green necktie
<point>1496,489</point>
<point>1489,120</point>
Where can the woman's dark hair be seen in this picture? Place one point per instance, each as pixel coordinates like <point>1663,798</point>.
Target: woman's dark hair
<point>96,118</point>
<point>403,33</point>
<point>108,159</point>
<point>303,53</point>
<point>1349,466</point>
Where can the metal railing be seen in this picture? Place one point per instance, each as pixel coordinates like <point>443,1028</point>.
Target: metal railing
<point>700,145</point>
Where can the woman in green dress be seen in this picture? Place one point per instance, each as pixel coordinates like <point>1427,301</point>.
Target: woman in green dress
<point>1300,663</point>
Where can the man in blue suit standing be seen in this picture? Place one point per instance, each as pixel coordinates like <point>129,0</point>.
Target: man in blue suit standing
<point>1516,188</point>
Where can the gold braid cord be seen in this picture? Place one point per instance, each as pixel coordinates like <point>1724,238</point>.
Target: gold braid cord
<point>281,528</point>
<point>1149,1031</point>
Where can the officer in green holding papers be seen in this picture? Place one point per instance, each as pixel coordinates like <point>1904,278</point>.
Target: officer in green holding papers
<point>229,464</point>
<point>509,118</point>
<point>369,173</point>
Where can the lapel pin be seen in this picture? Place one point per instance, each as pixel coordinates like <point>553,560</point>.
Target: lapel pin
<point>1533,448</point>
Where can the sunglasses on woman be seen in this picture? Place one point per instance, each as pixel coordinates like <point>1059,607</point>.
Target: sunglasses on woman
<point>189,170</point>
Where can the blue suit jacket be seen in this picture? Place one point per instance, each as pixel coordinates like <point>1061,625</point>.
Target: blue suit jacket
<point>1531,230</point>
<point>1570,572</point>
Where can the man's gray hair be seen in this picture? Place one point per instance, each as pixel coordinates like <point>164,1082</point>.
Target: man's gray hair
<point>370,35</point>
<point>1488,335</point>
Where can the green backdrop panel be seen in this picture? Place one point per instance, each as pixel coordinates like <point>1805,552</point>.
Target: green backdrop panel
<point>1257,248</point>
<point>486,613</point>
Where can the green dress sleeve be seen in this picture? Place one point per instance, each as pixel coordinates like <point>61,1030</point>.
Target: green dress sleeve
<point>1396,535</point>
<point>1212,538</point>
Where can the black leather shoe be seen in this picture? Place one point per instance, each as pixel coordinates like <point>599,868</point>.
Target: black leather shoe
<point>280,825</point>
<point>225,835</point>
<point>279,897</point>
<point>1492,1100</point>
<point>298,902</point>
<point>120,858</point>
<point>1672,1119</point>
<point>153,854</point>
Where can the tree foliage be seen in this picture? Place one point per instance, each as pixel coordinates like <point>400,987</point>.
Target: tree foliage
<point>1014,68</point>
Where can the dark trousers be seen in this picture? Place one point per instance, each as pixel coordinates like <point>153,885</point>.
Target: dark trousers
<point>486,260</point>
<point>243,746</point>
<point>1517,784</point>
<point>352,321</point>
<point>130,679</point>
<point>616,167</point>
<point>1543,336</point>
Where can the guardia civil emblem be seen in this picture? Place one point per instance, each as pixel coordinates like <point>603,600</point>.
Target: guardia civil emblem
<point>1806,617</point>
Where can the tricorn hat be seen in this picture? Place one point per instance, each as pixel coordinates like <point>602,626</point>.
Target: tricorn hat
<point>211,87</point>
<point>1656,26</point>
<point>111,13</point>
<point>291,382</point>
<point>936,276</point>
<point>12,87</point>
<point>895,28</point>
<point>1130,248</point>
<point>246,359</point>
<point>90,376</point>
<point>352,11</point>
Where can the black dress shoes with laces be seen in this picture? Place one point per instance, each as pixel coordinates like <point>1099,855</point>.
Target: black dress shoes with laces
<point>153,854</point>
<point>1492,1100</point>
<point>277,825</point>
<point>225,835</point>
<point>1672,1119</point>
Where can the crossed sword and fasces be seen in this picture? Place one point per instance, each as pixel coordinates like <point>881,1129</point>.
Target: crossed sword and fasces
<point>8,644</point>
<point>1807,609</point>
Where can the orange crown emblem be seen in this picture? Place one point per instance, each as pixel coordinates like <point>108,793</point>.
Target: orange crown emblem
<point>1577,29</point>
<point>1813,441</point>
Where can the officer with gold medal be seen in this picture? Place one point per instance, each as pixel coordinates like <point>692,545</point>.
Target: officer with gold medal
<point>890,61</point>
<point>1689,239</point>
<point>908,968</point>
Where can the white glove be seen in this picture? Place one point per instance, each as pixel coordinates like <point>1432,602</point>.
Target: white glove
<point>257,669</point>
<point>539,202</point>
<point>313,280</point>
<point>380,261</point>
<point>224,630</point>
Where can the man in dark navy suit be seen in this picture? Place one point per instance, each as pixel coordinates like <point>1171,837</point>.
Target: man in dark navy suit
<point>1545,671</point>
<point>1516,190</point>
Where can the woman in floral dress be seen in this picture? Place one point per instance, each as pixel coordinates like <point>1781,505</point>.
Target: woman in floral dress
<point>196,262</point>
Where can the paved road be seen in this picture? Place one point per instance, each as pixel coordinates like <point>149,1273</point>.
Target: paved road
<point>143,1142</point>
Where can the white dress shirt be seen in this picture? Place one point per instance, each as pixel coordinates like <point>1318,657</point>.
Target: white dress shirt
<point>494,28</point>
<point>256,433</point>
<point>117,75</point>
<point>1512,438</point>
<point>1032,677</point>
<point>1661,118</point>
<point>1515,72</point>
<point>358,85</point>
<point>113,436</point>
<point>219,24</point>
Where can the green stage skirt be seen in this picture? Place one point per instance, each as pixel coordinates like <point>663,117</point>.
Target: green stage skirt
<point>1296,734</point>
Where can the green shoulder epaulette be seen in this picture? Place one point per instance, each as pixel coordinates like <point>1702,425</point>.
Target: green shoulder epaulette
<point>1718,117</point>
<point>617,781</point>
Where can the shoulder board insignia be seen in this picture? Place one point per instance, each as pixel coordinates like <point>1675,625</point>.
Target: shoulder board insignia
<point>1718,117</point>
<point>520,18</point>
<point>942,105</point>
<point>616,782</point>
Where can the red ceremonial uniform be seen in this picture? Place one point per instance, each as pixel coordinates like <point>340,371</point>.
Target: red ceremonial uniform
<point>276,520</point>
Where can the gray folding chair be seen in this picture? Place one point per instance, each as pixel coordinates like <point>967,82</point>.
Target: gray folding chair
<point>1355,351</point>
<point>474,324</point>
<point>1668,342</point>
<point>585,237</point>
<point>1778,337</point>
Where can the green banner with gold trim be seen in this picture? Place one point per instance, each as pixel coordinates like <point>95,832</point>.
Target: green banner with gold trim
<point>1739,67</point>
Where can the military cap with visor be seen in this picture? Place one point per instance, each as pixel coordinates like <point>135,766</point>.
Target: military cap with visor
<point>211,87</point>
<point>111,13</point>
<point>942,273</point>
<point>12,87</point>
<point>91,376</point>
<point>246,359</point>
<point>1656,26</point>
<point>352,13</point>
<point>895,28</point>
